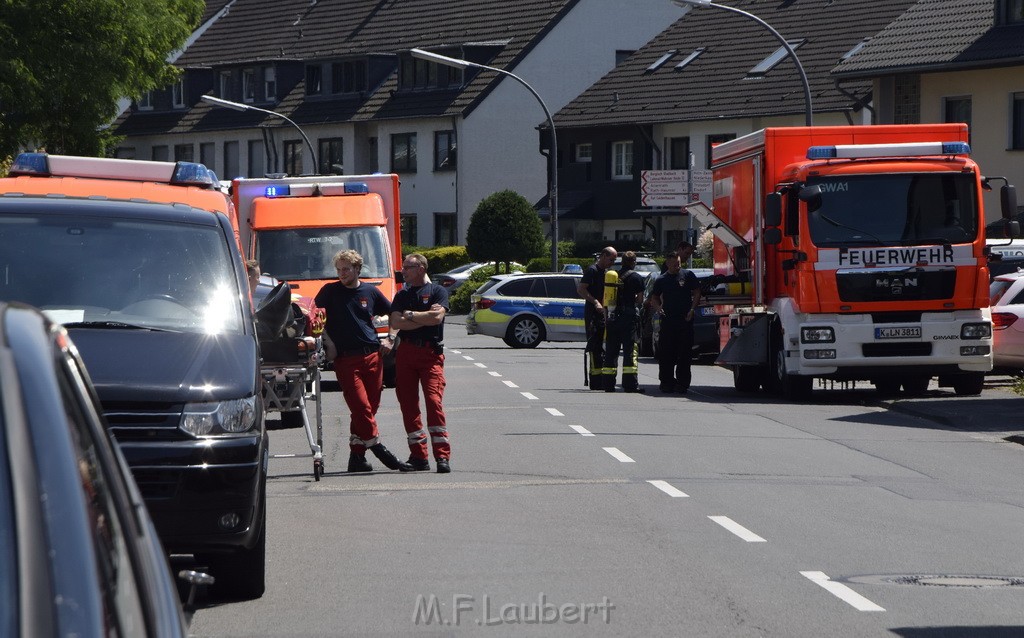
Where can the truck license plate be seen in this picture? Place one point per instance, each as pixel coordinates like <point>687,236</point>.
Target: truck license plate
<point>903,332</point>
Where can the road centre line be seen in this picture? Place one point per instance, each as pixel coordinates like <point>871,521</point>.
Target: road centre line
<point>510,384</point>
<point>480,365</point>
<point>737,529</point>
<point>842,592</point>
<point>554,412</point>
<point>493,373</point>
<point>456,351</point>
<point>617,454</point>
<point>468,358</point>
<point>530,396</point>
<point>669,489</point>
<point>582,430</point>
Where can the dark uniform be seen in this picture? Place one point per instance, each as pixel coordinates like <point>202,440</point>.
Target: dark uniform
<point>622,333</point>
<point>594,323</point>
<point>675,339</point>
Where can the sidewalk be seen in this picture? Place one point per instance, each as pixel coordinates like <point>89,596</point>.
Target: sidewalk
<point>997,411</point>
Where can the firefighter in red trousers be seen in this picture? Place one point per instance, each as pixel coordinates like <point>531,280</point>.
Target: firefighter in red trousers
<point>418,312</point>
<point>350,306</point>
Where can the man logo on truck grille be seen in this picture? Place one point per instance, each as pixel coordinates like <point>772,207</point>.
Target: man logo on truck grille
<point>895,284</point>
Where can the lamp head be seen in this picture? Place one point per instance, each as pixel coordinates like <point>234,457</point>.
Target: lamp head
<point>228,104</point>
<point>691,3</point>
<point>439,59</point>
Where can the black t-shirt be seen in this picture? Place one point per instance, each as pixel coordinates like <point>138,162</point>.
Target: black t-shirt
<point>593,278</point>
<point>676,294</point>
<point>629,287</point>
<point>350,313</point>
<point>419,299</point>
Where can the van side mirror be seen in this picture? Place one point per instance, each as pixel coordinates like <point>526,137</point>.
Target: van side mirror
<point>772,209</point>
<point>772,236</point>
<point>1008,200</point>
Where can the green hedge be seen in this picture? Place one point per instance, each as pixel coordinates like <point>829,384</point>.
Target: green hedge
<point>459,302</point>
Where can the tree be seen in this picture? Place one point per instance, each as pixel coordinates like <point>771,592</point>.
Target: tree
<point>504,228</point>
<point>65,64</point>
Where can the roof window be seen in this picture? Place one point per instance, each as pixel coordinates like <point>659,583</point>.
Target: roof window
<point>777,56</point>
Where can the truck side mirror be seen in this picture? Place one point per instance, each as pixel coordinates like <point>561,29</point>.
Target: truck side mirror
<point>772,236</point>
<point>399,277</point>
<point>811,195</point>
<point>772,209</point>
<point>1008,200</point>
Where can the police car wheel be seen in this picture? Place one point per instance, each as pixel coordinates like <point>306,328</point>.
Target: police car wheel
<point>524,332</point>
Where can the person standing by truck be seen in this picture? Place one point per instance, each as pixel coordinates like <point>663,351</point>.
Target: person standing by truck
<point>351,306</point>
<point>591,288</point>
<point>675,297</point>
<point>418,312</point>
<point>622,327</point>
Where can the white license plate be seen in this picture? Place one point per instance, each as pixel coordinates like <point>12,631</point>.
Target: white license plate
<point>903,332</point>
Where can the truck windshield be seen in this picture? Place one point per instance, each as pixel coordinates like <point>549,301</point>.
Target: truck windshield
<point>308,253</point>
<point>904,209</point>
<point>107,272</point>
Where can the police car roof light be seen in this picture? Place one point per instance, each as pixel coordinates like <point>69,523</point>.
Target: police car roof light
<point>30,164</point>
<point>913,149</point>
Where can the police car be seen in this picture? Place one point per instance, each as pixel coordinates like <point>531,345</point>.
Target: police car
<point>526,309</point>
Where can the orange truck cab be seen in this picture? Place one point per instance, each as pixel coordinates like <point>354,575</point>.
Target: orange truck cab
<point>857,253</point>
<point>295,225</point>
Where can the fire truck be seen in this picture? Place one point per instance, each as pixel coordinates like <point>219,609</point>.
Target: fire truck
<point>295,225</point>
<point>852,253</point>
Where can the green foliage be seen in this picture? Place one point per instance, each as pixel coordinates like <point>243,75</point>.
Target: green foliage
<point>5,165</point>
<point>504,227</point>
<point>64,64</point>
<point>443,258</point>
<point>1018,386</point>
<point>459,300</point>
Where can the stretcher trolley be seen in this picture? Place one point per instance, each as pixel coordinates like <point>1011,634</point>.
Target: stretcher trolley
<point>290,369</point>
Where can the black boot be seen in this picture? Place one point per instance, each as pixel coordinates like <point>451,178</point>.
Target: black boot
<point>388,459</point>
<point>358,463</point>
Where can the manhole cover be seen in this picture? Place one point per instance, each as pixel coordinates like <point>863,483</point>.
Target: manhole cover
<point>941,580</point>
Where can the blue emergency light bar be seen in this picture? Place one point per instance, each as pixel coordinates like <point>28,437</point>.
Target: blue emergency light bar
<point>277,190</point>
<point>30,164</point>
<point>177,174</point>
<point>356,187</point>
<point>914,149</point>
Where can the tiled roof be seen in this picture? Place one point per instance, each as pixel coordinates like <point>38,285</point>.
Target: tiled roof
<point>212,7</point>
<point>939,34</point>
<point>300,30</point>
<point>714,85</point>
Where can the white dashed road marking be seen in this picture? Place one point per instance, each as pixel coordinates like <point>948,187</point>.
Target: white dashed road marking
<point>456,351</point>
<point>737,529</point>
<point>554,412</point>
<point>529,396</point>
<point>668,489</point>
<point>582,430</point>
<point>467,358</point>
<point>480,365</point>
<point>494,374</point>
<point>842,592</point>
<point>617,454</point>
<point>510,384</point>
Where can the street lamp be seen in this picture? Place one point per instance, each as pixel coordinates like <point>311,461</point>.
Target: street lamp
<point>553,156</point>
<point>237,106</point>
<point>809,117</point>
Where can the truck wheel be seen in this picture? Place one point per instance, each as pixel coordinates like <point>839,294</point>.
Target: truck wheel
<point>746,378</point>
<point>969,385</point>
<point>524,332</point>
<point>792,387</point>
<point>916,386</point>
<point>887,387</point>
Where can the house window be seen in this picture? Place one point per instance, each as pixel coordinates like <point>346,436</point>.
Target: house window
<point>348,77</point>
<point>161,153</point>
<point>332,160</point>
<point>657,64</point>
<point>957,110</point>
<point>583,152</point>
<point>679,153</point>
<point>372,155</point>
<point>293,157</point>
<point>125,152</point>
<point>445,229</point>
<point>409,235</point>
<point>690,58</point>
<point>178,94</point>
<point>257,159</point>
<point>1017,126</point>
<point>145,101</point>
<point>225,84</point>
<point>713,141</point>
<point>231,160</point>
<point>622,55</point>
<point>314,79</point>
<point>420,74</point>
<point>183,153</point>
<point>622,160</point>
<point>1013,11</point>
<point>769,63</point>
<point>403,153</point>
<point>444,150</point>
<point>249,85</point>
<point>208,155</point>
<point>269,84</point>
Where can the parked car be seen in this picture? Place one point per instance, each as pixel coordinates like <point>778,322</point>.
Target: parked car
<point>1007,299</point>
<point>526,309</point>
<point>706,343</point>
<point>80,555</point>
<point>455,277</point>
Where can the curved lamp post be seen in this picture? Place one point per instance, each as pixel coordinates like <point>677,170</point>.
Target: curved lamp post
<point>238,106</point>
<point>552,159</point>
<point>809,113</point>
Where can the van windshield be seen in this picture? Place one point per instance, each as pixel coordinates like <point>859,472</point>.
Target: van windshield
<point>115,272</point>
<point>899,210</point>
<point>308,253</point>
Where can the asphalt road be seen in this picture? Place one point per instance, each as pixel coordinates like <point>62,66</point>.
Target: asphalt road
<point>572,512</point>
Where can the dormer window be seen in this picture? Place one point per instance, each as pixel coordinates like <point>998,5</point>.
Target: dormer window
<point>248,85</point>
<point>777,56</point>
<point>178,94</point>
<point>224,85</point>
<point>270,84</point>
<point>314,79</point>
<point>348,76</point>
<point>421,74</point>
<point>145,101</point>
<point>1012,11</point>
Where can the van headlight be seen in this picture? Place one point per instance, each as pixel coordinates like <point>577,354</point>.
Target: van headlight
<point>221,417</point>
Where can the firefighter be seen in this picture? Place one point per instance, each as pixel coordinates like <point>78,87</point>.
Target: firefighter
<point>591,288</point>
<point>623,293</point>
<point>675,298</point>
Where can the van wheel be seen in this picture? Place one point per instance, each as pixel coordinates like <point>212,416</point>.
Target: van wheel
<point>524,332</point>
<point>242,574</point>
<point>969,385</point>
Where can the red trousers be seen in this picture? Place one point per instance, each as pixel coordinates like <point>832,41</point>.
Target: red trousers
<point>415,367</point>
<point>361,378</point>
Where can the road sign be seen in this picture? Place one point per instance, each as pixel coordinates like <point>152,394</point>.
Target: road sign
<point>673,187</point>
